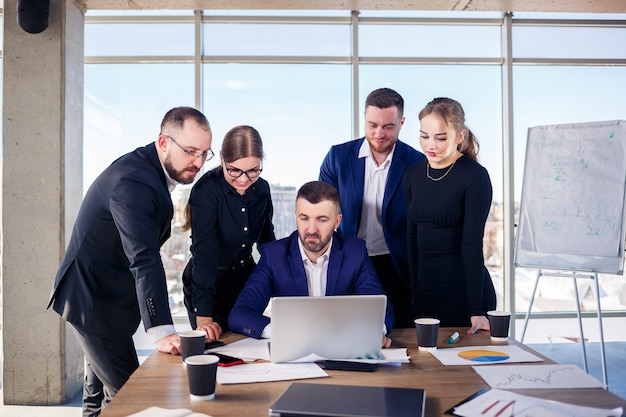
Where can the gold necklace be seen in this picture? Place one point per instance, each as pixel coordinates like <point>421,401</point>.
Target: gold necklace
<point>440,178</point>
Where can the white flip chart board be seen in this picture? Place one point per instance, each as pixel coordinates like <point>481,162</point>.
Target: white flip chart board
<point>573,194</point>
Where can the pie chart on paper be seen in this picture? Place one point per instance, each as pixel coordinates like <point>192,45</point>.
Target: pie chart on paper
<point>481,355</point>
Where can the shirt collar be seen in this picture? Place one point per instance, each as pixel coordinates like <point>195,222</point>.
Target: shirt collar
<point>306,258</point>
<point>171,183</point>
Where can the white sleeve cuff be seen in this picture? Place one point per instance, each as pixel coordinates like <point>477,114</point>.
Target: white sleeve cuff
<point>267,332</point>
<point>159,332</point>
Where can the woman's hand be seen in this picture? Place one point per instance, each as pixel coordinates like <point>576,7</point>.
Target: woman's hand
<point>478,323</point>
<point>213,329</point>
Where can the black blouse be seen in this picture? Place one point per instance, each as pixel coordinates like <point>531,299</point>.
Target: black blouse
<point>224,227</point>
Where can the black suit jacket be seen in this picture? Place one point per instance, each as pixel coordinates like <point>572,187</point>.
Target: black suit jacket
<point>112,275</point>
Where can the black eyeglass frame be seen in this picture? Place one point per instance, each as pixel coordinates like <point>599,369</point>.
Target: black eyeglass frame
<point>252,174</point>
<point>206,155</point>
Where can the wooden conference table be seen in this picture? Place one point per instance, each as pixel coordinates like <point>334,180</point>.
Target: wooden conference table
<point>161,381</point>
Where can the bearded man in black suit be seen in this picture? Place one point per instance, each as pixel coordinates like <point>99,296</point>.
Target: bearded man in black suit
<point>112,275</point>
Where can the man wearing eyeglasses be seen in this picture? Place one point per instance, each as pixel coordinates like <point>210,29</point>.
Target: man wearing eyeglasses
<point>112,276</point>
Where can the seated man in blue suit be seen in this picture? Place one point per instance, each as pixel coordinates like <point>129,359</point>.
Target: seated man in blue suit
<point>312,261</point>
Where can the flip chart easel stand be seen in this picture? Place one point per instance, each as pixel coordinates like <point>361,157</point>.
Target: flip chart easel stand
<point>575,276</point>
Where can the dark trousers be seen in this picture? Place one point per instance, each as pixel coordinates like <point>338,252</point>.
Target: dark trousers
<point>228,284</point>
<point>109,362</point>
<point>398,292</point>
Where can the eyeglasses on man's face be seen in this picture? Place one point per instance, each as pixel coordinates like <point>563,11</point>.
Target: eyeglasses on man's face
<point>251,173</point>
<point>206,155</point>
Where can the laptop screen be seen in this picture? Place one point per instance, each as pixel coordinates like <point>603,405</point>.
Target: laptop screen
<point>331,327</point>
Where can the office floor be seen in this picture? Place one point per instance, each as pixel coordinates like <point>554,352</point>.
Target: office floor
<point>71,409</point>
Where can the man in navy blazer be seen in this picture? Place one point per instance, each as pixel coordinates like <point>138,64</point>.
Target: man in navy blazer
<point>312,261</point>
<point>112,276</point>
<point>368,174</point>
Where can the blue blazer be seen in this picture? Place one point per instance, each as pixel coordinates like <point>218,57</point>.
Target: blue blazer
<point>280,272</point>
<point>343,169</point>
<point>112,276</point>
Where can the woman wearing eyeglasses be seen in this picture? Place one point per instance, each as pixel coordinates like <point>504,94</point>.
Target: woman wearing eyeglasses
<point>230,209</point>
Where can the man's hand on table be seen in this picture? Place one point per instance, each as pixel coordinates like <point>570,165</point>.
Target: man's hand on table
<point>169,344</point>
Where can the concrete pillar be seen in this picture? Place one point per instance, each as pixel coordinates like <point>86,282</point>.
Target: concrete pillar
<point>41,191</point>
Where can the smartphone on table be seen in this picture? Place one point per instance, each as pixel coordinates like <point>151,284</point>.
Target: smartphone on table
<point>226,360</point>
<point>213,344</point>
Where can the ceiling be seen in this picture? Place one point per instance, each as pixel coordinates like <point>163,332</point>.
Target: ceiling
<point>575,6</point>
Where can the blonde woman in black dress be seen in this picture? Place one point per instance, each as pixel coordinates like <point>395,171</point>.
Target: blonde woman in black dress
<point>448,200</point>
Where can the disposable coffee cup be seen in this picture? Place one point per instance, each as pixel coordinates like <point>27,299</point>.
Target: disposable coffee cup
<point>192,342</point>
<point>499,325</point>
<point>427,330</point>
<point>201,374</point>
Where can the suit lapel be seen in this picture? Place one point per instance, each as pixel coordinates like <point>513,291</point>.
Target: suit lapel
<point>153,157</point>
<point>394,179</point>
<point>334,265</point>
<point>296,267</point>
<point>357,173</point>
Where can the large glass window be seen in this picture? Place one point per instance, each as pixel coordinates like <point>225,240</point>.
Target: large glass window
<point>294,76</point>
<point>299,110</point>
<point>569,42</point>
<point>256,39</point>
<point>429,40</point>
<point>124,105</point>
<point>139,39</point>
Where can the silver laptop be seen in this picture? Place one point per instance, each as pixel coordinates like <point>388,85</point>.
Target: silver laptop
<point>332,327</point>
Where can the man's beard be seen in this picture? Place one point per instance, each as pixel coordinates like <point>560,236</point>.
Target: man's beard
<point>178,176</point>
<point>381,148</point>
<point>315,247</point>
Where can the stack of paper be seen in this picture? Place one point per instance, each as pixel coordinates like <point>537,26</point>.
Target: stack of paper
<point>250,350</point>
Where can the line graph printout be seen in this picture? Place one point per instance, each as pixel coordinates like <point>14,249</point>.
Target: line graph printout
<point>499,403</point>
<point>537,376</point>
<point>484,355</point>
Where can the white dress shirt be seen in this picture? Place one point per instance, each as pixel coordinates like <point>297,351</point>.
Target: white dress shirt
<point>316,272</point>
<point>374,181</point>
